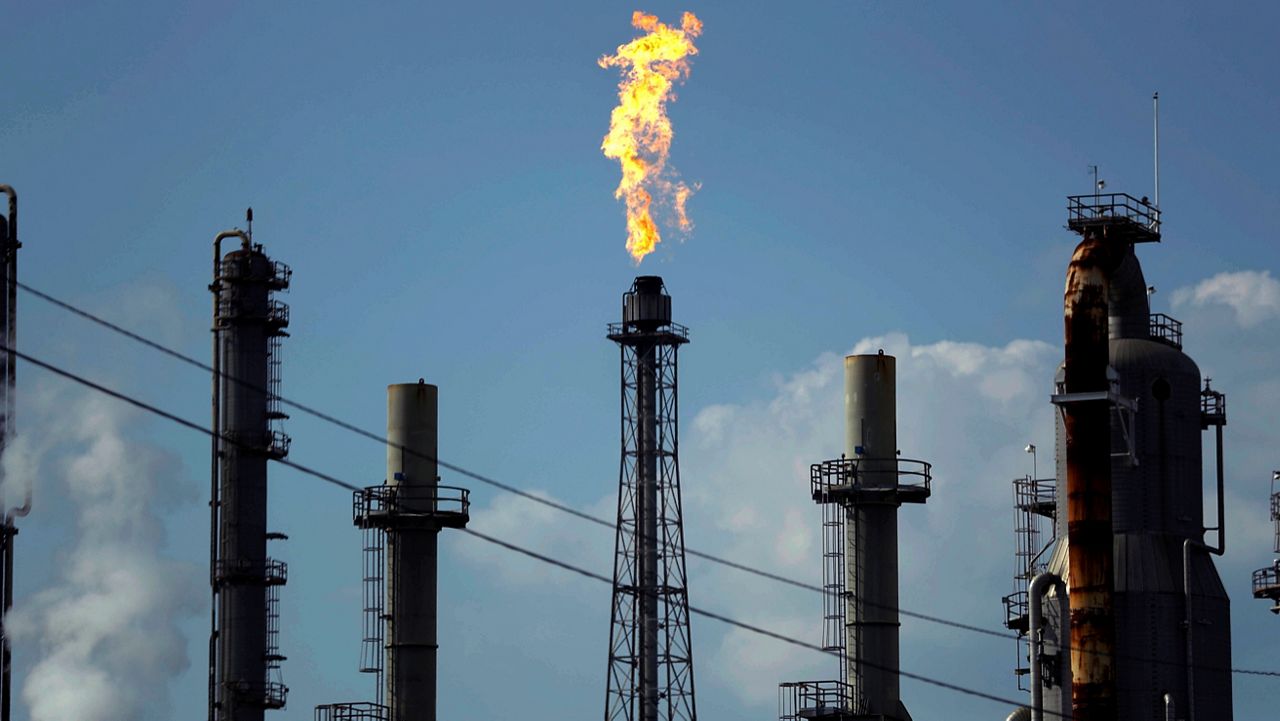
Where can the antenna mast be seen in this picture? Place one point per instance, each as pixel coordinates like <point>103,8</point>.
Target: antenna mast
<point>1155,108</point>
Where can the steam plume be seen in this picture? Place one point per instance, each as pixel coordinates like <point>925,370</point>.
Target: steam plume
<point>106,632</point>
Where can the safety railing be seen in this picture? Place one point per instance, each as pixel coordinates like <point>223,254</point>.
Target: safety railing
<point>842,474</point>
<point>359,711</point>
<point>1167,329</point>
<point>410,500</point>
<point>818,700</point>
<point>1266,582</point>
<point>1086,210</point>
<point>268,572</point>
<point>271,695</point>
<point>666,328</point>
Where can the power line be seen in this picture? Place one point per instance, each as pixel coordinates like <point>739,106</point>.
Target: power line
<point>345,425</point>
<point>457,469</point>
<point>510,546</point>
<point>69,375</point>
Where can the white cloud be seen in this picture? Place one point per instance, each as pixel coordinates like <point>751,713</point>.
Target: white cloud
<point>106,633</point>
<point>967,407</point>
<point>1253,295</point>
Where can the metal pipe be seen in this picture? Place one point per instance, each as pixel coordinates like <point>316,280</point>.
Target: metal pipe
<point>1169,709</point>
<point>1039,586</point>
<point>1087,422</point>
<point>10,530</point>
<point>647,544</point>
<point>1155,107</point>
<point>1218,550</point>
<point>214,453</point>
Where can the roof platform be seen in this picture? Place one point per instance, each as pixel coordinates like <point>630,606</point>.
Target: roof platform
<point>1117,216</point>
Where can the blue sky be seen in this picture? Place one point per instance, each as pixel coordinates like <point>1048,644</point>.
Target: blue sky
<point>870,172</point>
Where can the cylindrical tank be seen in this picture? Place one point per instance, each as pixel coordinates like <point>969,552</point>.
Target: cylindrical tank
<point>411,553</point>
<point>871,532</point>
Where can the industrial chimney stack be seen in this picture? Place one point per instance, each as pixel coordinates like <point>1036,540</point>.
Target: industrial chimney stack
<point>860,493</point>
<point>249,322</point>
<point>401,520</point>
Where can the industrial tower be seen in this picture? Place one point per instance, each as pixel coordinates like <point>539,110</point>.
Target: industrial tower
<point>248,323</point>
<point>860,494</point>
<point>8,528</point>
<point>650,674</point>
<point>1266,581</point>
<point>1148,634</point>
<point>401,521</point>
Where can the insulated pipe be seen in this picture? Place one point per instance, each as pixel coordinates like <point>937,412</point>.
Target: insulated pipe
<point>1039,586</point>
<point>216,288</point>
<point>1087,422</point>
<point>1186,582</point>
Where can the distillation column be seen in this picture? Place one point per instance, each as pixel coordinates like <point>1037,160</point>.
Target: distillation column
<point>248,324</point>
<point>650,673</point>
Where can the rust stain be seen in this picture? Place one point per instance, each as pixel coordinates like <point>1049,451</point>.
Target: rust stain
<point>1088,440</point>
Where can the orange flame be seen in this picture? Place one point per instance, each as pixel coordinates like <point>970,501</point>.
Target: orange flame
<point>639,130</point>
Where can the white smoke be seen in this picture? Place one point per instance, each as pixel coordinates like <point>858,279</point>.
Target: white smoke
<point>106,632</point>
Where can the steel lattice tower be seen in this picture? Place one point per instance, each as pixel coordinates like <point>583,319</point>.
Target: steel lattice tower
<point>650,673</point>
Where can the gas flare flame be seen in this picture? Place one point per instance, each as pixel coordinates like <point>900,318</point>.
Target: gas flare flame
<point>639,130</point>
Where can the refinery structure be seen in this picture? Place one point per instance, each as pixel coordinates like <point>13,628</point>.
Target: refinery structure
<point>1116,611</point>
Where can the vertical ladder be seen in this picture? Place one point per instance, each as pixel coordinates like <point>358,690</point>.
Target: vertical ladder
<point>372,644</point>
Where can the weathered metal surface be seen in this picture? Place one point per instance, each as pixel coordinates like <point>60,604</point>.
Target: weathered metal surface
<point>1088,441</point>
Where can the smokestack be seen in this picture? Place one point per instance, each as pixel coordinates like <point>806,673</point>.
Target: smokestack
<point>248,324</point>
<point>402,520</point>
<point>650,651</point>
<point>1086,409</point>
<point>412,550</point>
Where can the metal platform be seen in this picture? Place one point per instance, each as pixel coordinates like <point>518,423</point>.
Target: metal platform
<point>358,711</point>
<point>819,701</point>
<point>841,481</point>
<point>1116,216</point>
<point>400,506</point>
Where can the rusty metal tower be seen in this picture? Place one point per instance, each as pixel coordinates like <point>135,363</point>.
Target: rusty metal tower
<point>650,674</point>
<point>8,528</point>
<point>244,654</point>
